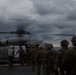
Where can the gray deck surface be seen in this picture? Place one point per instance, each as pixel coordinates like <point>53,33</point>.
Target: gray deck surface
<point>17,70</point>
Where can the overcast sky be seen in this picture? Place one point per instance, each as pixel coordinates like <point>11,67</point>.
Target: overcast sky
<point>44,16</point>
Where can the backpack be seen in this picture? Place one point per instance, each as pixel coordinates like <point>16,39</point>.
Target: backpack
<point>21,52</point>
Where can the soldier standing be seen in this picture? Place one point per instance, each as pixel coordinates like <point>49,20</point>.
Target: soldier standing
<point>27,53</point>
<point>21,56</point>
<point>39,57</point>
<point>61,54</point>
<point>50,59</point>
<point>10,56</point>
<point>32,52</point>
<point>70,58</point>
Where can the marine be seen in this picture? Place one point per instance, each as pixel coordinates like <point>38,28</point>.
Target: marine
<point>60,56</point>
<point>70,57</point>
<point>50,57</point>
<point>33,51</point>
<point>21,56</point>
<point>10,56</point>
<point>39,57</point>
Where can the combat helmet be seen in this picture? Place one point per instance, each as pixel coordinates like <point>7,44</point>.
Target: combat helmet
<point>12,46</point>
<point>49,46</point>
<point>64,42</point>
<point>73,40</point>
<point>41,47</point>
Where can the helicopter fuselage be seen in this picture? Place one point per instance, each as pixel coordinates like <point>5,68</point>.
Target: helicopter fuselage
<point>18,41</point>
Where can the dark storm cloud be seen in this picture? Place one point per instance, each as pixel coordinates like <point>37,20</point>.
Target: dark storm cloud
<point>42,8</point>
<point>72,16</point>
<point>15,22</point>
<point>48,7</point>
<point>39,17</point>
<point>10,12</point>
<point>61,24</point>
<point>56,16</point>
<point>52,6</point>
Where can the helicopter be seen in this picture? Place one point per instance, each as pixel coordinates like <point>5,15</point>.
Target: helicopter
<point>20,40</point>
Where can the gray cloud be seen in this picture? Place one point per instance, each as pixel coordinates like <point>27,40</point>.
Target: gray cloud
<point>39,17</point>
<point>72,16</point>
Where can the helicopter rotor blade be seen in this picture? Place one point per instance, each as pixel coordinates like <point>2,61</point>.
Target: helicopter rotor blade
<point>16,32</point>
<point>62,34</point>
<point>7,32</point>
<point>23,32</point>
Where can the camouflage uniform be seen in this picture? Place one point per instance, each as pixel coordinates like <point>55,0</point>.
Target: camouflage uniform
<point>33,52</point>
<point>61,54</point>
<point>27,55</point>
<point>39,58</point>
<point>70,57</point>
<point>50,57</point>
<point>21,56</point>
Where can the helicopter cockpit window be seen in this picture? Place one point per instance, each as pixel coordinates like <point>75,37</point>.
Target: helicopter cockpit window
<point>16,48</point>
